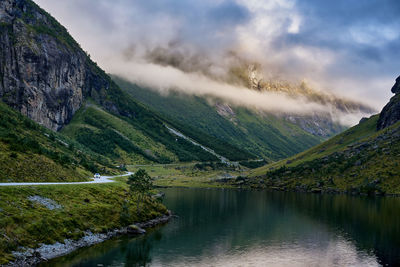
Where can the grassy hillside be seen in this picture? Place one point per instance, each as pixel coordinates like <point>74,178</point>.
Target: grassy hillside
<point>30,152</point>
<point>96,208</point>
<point>339,142</point>
<point>105,133</point>
<point>360,160</point>
<point>256,133</point>
<point>127,142</point>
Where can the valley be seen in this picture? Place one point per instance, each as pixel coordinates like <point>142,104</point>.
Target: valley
<point>247,162</point>
<point>264,135</point>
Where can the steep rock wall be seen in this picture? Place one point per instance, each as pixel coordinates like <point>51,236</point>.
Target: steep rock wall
<point>44,73</point>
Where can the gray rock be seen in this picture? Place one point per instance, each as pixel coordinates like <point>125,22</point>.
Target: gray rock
<point>47,202</point>
<point>136,230</point>
<point>160,195</point>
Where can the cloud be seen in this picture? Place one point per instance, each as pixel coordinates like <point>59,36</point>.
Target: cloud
<point>166,78</point>
<point>346,46</point>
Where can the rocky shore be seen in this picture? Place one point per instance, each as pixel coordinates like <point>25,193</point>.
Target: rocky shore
<point>32,257</point>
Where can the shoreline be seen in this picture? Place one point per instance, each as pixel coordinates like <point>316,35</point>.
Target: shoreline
<point>277,189</point>
<point>33,257</point>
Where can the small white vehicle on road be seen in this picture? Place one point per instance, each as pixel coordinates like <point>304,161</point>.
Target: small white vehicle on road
<point>97,176</point>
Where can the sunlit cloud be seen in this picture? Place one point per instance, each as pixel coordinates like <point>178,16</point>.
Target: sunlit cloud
<point>165,79</point>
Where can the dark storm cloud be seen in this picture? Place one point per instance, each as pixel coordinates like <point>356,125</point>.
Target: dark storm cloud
<point>345,12</point>
<point>365,31</point>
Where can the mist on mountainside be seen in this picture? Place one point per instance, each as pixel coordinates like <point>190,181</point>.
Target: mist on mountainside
<point>209,48</point>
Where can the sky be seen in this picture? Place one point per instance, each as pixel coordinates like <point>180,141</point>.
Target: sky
<point>348,47</point>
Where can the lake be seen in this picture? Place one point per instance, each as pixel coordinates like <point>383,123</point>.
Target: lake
<point>219,227</point>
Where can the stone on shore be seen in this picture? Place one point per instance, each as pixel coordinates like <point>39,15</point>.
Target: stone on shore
<point>135,230</point>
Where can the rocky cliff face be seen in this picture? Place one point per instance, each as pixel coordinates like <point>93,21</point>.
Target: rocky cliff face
<point>44,74</point>
<point>391,112</point>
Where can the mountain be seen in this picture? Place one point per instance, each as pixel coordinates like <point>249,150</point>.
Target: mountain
<point>243,73</point>
<point>251,75</point>
<point>363,159</point>
<point>47,77</point>
<point>265,135</point>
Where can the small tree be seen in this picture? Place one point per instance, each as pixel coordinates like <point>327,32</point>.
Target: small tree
<point>140,183</point>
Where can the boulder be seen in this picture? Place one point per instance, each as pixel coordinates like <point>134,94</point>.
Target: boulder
<point>135,230</point>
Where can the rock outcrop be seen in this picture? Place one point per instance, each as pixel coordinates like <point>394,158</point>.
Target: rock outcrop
<point>391,112</point>
<point>396,86</point>
<point>44,73</point>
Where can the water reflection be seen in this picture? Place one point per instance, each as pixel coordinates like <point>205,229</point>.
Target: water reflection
<point>248,228</point>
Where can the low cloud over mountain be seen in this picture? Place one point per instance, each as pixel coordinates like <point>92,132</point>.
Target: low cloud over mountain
<point>198,43</point>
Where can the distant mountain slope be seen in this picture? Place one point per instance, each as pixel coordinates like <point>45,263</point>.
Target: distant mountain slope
<point>30,152</point>
<point>269,136</point>
<point>236,69</point>
<point>363,159</point>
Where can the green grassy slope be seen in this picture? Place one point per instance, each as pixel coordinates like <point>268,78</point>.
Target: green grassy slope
<point>127,142</point>
<point>95,208</point>
<point>105,133</point>
<point>30,152</point>
<point>259,134</point>
<point>337,143</point>
<point>360,160</point>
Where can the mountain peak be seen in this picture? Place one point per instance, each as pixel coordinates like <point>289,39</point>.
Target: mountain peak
<point>396,86</point>
<point>391,112</point>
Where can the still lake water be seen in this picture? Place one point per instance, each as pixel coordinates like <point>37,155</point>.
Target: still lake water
<point>256,228</point>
